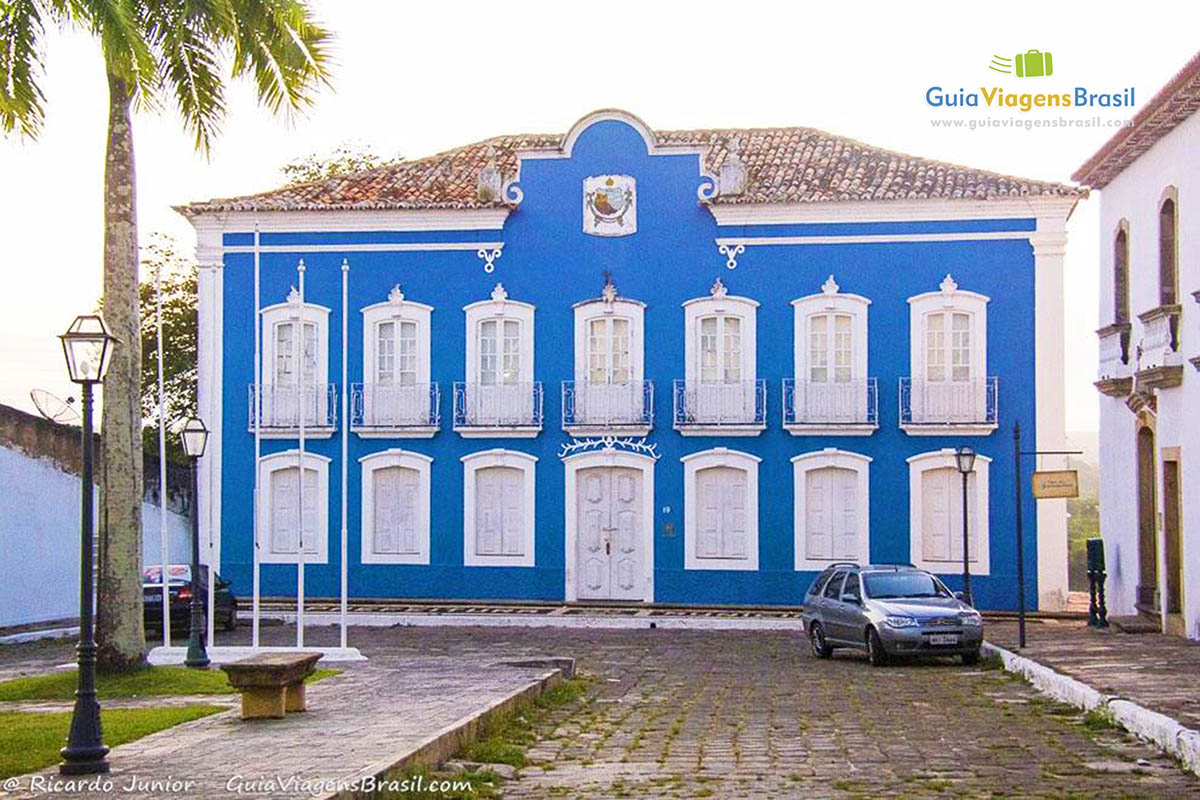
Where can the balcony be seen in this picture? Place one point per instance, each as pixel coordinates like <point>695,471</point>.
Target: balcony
<point>831,409</point>
<point>386,411</point>
<point>506,410</point>
<point>1116,375</point>
<point>607,409</point>
<point>936,408</point>
<point>1159,364</point>
<point>737,408</point>
<point>280,409</point>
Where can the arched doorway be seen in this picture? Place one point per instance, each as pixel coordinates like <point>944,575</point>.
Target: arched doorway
<point>1147,590</point>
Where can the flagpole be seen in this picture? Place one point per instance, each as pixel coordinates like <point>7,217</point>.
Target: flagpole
<point>256,408</point>
<point>298,343</point>
<point>163,546</point>
<point>345,434</point>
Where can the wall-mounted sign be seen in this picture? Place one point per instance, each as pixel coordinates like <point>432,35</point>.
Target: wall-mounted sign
<point>1049,484</point>
<point>610,205</point>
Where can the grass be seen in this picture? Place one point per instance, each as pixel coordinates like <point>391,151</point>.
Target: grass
<point>1100,718</point>
<point>148,682</point>
<point>30,741</point>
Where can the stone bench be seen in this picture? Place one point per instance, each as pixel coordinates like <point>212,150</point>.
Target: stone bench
<point>272,684</point>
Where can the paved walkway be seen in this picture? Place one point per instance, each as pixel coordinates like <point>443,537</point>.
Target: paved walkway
<point>1161,673</point>
<point>722,714</point>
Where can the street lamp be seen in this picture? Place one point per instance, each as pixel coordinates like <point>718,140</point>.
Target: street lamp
<point>194,437</point>
<point>87,346</point>
<point>964,457</point>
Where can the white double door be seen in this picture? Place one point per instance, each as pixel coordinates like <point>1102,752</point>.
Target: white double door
<point>609,533</point>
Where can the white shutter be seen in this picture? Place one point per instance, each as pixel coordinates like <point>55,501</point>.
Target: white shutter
<point>283,510</point>
<point>709,501</point>
<point>487,511</point>
<point>937,513</point>
<point>310,511</point>
<point>845,497</point>
<point>408,513</point>
<point>733,540</point>
<point>386,489</point>
<point>500,511</point>
<point>513,505</point>
<point>818,530</point>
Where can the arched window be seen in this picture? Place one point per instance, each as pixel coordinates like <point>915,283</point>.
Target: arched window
<point>1168,273</point>
<point>936,513</point>
<point>1121,274</point>
<point>395,508</point>
<point>290,516</point>
<point>831,508</point>
<point>498,509</point>
<point>720,510</point>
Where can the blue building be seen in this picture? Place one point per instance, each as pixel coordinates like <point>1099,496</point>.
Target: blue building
<point>684,367</point>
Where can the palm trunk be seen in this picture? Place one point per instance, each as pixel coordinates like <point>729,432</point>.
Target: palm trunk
<point>120,632</point>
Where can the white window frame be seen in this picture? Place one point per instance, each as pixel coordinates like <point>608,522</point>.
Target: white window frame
<point>918,465</point>
<point>949,299</point>
<point>289,459</point>
<point>634,312</point>
<point>838,459</point>
<point>292,311</point>
<point>500,309</point>
<point>498,457</point>
<point>696,463</point>
<point>396,309</point>
<point>404,459</point>
<point>722,305</point>
<point>831,301</point>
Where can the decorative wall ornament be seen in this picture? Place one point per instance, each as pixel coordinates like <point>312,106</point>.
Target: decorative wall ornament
<point>718,290</point>
<point>396,296</point>
<point>293,297</point>
<point>626,443</point>
<point>731,178</point>
<point>610,205</point>
<point>830,286</point>
<point>489,185</point>
<point>731,253</point>
<point>489,258</point>
<point>499,293</point>
<point>609,293</point>
<point>948,284</point>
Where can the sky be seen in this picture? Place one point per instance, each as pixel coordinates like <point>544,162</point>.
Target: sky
<point>414,79</point>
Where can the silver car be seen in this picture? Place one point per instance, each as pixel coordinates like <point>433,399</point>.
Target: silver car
<point>889,610</point>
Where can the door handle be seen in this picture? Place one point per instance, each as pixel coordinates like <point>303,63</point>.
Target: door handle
<point>607,547</point>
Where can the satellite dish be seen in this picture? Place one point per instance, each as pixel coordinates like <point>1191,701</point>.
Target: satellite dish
<point>55,409</point>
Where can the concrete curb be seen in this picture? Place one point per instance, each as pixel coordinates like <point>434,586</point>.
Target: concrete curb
<point>446,742</point>
<point>1163,731</point>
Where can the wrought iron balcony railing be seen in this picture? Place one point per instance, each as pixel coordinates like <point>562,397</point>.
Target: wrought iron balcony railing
<point>852,404</point>
<point>972,403</point>
<point>607,405</point>
<point>506,405</point>
<point>280,408</point>
<point>733,405</point>
<point>379,408</point>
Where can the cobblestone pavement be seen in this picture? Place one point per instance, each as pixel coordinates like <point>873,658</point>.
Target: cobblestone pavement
<point>1151,669</point>
<point>750,714</point>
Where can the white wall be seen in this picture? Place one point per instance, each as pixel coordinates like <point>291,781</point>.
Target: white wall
<point>1135,196</point>
<point>39,539</point>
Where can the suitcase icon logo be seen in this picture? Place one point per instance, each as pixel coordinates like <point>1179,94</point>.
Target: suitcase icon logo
<point>1030,64</point>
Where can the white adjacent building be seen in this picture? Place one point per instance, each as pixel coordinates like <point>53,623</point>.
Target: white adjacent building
<point>1149,177</point>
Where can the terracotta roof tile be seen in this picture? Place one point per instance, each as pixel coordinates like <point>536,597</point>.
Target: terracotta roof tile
<point>784,165</point>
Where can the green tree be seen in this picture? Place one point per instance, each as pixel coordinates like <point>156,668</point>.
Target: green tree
<point>344,159</point>
<point>179,343</point>
<point>154,51</point>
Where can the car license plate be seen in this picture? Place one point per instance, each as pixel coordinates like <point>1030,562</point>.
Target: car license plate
<point>943,638</point>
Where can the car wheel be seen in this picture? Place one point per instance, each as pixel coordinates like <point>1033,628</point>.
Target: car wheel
<point>875,652</point>
<point>820,647</point>
<point>970,659</point>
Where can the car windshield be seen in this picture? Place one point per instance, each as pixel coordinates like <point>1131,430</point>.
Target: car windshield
<point>891,585</point>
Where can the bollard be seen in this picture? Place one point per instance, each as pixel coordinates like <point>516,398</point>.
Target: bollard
<point>1097,607</point>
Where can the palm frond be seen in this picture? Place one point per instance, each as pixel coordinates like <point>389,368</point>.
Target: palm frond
<point>187,35</point>
<point>21,66</point>
<point>285,50</point>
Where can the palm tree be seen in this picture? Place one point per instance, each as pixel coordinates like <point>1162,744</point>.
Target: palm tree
<point>154,50</point>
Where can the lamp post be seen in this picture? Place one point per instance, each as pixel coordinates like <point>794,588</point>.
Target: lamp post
<point>87,346</point>
<point>964,457</point>
<point>194,437</point>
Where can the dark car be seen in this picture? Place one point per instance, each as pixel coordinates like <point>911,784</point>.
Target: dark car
<point>890,611</point>
<point>180,588</point>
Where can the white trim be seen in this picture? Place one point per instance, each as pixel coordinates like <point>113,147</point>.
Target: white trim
<point>864,211</point>
<point>209,314</point>
<point>918,465</point>
<point>881,238</point>
<point>293,312</point>
<point>720,457</point>
<point>505,309</point>
<point>609,458</point>
<point>743,308</point>
<point>854,305</point>
<point>653,147</point>
<point>498,432</point>
<point>405,459</point>
<point>621,308</point>
<point>288,459</point>
<point>749,429</point>
<point>1049,249</point>
<point>949,430</point>
<point>369,247</point>
<point>401,310</point>
<point>838,459</point>
<point>333,220</point>
<point>498,457</point>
